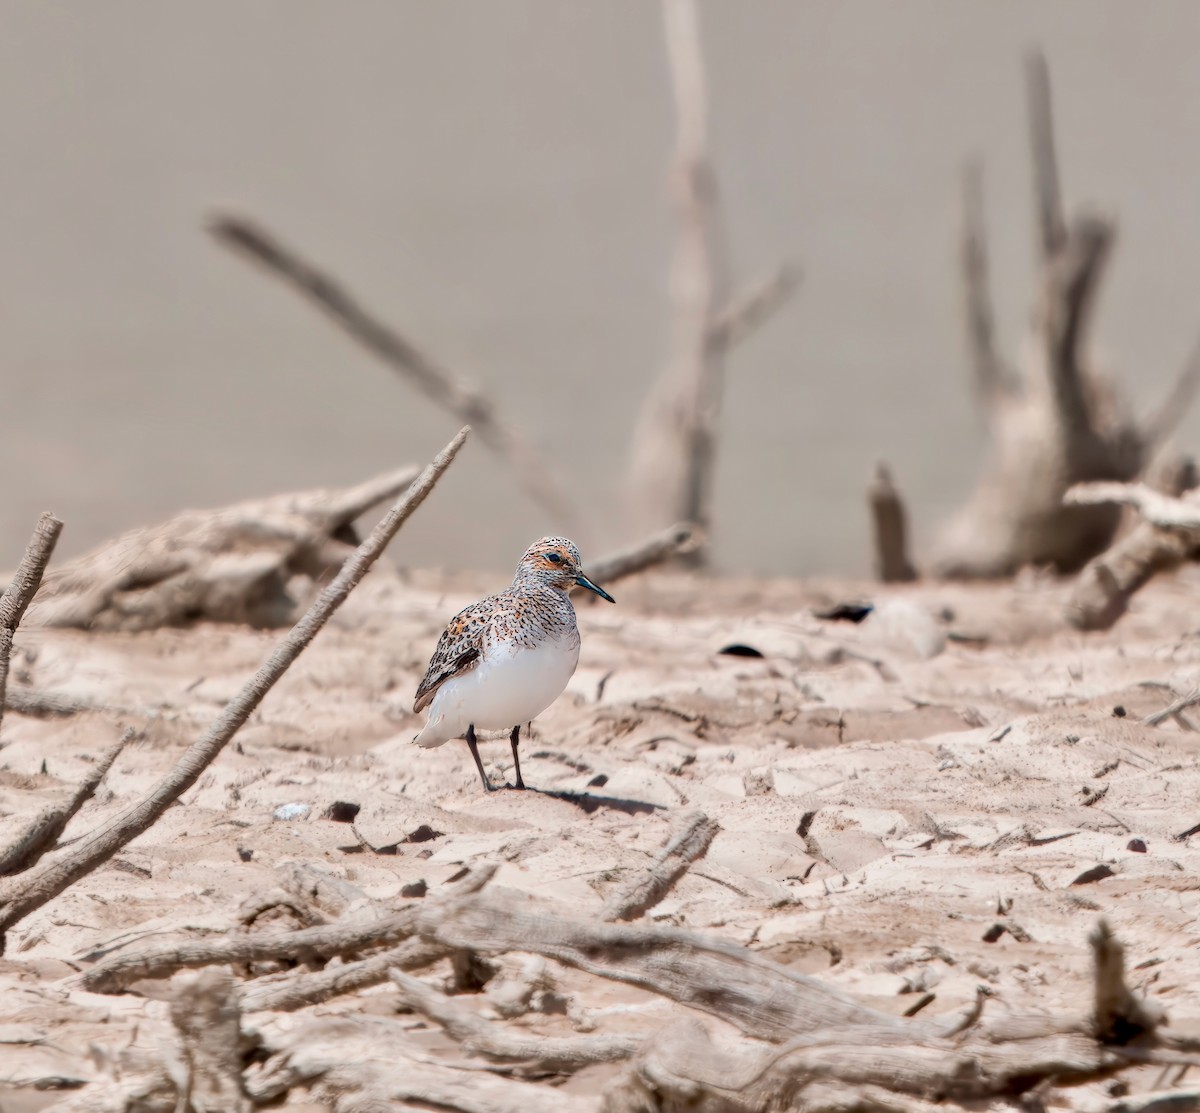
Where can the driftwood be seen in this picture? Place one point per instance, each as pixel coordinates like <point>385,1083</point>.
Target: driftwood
<point>674,451</point>
<point>889,522</point>
<point>234,564</point>
<point>1057,423</point>
<point>657,549</point>
<point>689,843</point>
<point>25,583</point>
<point>1168,536</point>
<point>29,891</point>
<point>44,829</point>
<point>432,378</point>
<point>117,972</point>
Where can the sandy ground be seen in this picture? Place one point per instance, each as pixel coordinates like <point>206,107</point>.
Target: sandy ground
<point>882,804</point>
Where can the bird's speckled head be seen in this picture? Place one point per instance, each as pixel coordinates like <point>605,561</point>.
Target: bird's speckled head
<point>555,562</point>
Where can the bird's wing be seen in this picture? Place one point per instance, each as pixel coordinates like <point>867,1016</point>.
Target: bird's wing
<point>458,649</point>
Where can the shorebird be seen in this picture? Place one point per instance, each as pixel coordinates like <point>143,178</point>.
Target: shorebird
<point>502,661</point>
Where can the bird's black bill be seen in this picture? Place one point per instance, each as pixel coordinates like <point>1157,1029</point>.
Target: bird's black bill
<point>583,581</point>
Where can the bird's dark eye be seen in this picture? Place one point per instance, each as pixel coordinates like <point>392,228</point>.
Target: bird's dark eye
<point>554,557</point>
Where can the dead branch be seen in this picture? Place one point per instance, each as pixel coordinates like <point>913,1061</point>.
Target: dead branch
<point>1160,424</point>
<point>688,844</point>
<point>433,379</point>
<point>42,832</point>
<point>234,564</point>
<point>301,990</point>
<point>1060,423</point>
<point>24,894</point>
<point>658,549</point>
<point>746,311</point>
<point>118,971</point>
<point>1046,190</point>
<point>674,449</point>
<point>25,583</point>
<point>1118,1015</point>
<point>537,1054</point>
<point>761,997</point>
<point>890,522</point>
<point>991,378</point>
<point>205,1012</point>
<point>1158,509</point>
<point>1189,699</point>
<point>1104,588</point>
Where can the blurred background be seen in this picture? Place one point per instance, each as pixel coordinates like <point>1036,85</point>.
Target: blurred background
<point>490,177</point>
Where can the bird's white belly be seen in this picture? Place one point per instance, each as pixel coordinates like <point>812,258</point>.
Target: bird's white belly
<point>507,688</point>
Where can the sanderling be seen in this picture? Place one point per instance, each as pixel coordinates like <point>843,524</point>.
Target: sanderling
<point>502,661</point>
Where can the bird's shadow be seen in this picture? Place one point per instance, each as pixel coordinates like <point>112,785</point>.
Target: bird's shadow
<point>592,803</point>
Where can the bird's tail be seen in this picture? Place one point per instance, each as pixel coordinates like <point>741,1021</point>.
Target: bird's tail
<point>431,736</point>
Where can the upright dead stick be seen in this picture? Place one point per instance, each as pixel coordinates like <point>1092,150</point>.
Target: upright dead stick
<point>29,846</point>
<point>890,526</point>
<point>28,892</point>
<point>654,550</point>
<point>23,588</point>
<point>1046,190</point>
<point>1118,1014</point>
<point>689,843</point>
<point>434,380</point>
<point>675,448</point>
<point>990,377</point>
<point>205,1012</point>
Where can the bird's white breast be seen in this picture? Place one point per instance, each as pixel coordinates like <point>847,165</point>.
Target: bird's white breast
<point>510,685</point>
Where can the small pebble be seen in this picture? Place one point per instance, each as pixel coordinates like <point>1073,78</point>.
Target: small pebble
<point>1138,846</point>
<point>415,889</point>
<point>292,811</point>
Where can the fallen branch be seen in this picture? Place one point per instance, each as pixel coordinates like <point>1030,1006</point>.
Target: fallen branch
<point>42,832</point>
<point>749,991</point>
<point>1158,509</point>
<point>1189,699</point>
<point>28,892</point>
<point>689,844</point>
<point>434,380</point>
<point>204,1010</point>
<point>537,1054</point>
<point>25,583</point>
<point>156,961</point>
<point>233,564</point>
<point>658,549</point>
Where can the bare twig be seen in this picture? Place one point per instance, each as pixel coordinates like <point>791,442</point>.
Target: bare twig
<point>205,1012</point>
<point>20,593</point>
<point>22,895</point>
<point>659,548</point>
<point>746,311</point>
<point>539,1054</point>
<point>687,845</point>
<point>25,851</point>
<point>1047,193</point>
<point>890,524</point>
<point>1119,1016</point>
<point>434,380</point>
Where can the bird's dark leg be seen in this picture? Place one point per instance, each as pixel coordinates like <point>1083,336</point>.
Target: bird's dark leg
<point>475,754</point>
<point>514,738</point>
